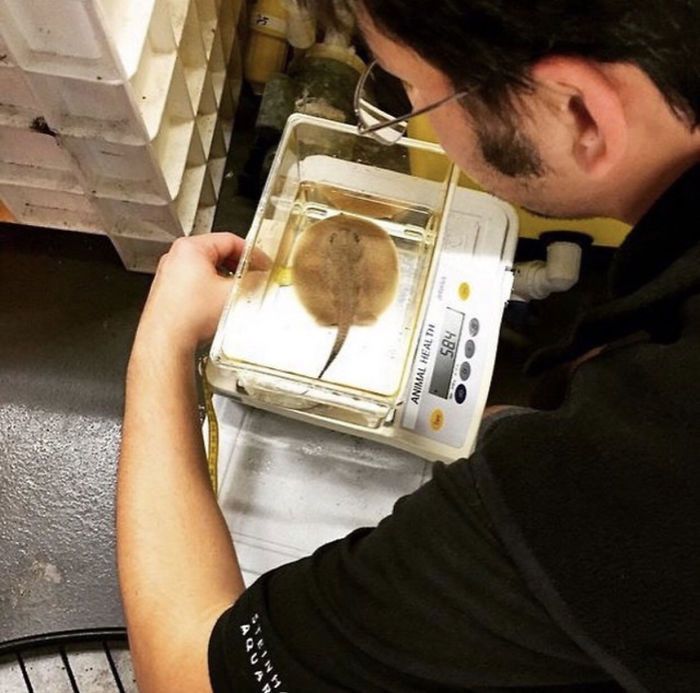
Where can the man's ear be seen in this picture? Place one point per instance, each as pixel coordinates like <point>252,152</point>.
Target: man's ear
<point>592,109</point>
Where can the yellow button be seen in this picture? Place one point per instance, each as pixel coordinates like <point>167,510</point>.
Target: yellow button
<point>464,290</point>
<point>437,419</point>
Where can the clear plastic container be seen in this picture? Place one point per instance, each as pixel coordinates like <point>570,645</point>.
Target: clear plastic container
<point>322,169</point>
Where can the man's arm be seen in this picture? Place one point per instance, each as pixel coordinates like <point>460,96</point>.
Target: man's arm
<point>177,565</point>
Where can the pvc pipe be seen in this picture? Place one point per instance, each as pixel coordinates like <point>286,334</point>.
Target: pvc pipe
<point>538,279</point>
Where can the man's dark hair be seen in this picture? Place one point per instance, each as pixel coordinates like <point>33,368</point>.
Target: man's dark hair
<point>490,45</point>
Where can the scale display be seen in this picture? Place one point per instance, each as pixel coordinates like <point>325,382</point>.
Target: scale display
<point>447,353</point>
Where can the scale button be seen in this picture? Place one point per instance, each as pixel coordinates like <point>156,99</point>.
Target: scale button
<point>464,290</point>
<point>437,419</point>
<point>465,370</point>
<point>474,327</point>
<point>469,348</point>
<point>460,393</point>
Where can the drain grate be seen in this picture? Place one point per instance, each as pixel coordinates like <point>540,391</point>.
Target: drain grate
<point>90,661</point>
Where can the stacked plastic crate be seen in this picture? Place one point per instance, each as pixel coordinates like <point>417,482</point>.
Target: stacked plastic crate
<point>116,116</point>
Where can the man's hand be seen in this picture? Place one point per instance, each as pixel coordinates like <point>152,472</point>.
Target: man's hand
<point>189,291</point>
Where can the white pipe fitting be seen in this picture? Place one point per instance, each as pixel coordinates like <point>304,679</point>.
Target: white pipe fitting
<point>538,279</point>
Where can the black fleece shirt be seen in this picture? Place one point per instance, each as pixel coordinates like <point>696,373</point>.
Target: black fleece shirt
<point>564,555</point>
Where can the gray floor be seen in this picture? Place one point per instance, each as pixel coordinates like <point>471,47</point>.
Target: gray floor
<point>67,315</point>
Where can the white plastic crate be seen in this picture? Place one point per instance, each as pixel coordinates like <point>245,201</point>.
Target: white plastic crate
<point>92,39</point>
<point>153,175</point>
<point>216,168</point>
<point>178,10</point>
<point>221,139</point>
<point>196,185</point>
<point>235,73</point>
<point>228,18</point>
<point>208,14</point>
<point>192,54</point>
<point>194,207</point>
<point>141,221</point>
<point>52,208</point>
<point>36,160</point>
<point>128,110</point>
<point>5,53</point>
<point>228,106</point>
<point>204,221</point>
<point>213,140</point>
<point>206,126</point>
<point>141,159</point>
<point>207,114</point>
<point>165,220</point>
<point>217,67</point>
<point>17,102</point>
<point>139,254</point>
<point>146,173</point>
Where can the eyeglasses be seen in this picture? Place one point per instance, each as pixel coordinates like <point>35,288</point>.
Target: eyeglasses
<point>380,124</point>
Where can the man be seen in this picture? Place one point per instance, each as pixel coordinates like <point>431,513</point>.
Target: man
<point>565,554</point>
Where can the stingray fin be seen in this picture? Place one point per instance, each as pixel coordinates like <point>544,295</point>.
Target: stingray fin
<point>337,346</point>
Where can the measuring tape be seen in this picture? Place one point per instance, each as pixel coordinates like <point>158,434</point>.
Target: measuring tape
<point>213,427</point>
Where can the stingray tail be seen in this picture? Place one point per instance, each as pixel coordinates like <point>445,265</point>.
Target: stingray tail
<point>337,346</point>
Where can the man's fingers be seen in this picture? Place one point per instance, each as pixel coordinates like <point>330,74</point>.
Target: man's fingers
<point>222,247</point>
<point>260,260</point>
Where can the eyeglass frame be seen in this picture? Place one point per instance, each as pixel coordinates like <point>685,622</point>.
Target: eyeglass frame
<point>364,129</point>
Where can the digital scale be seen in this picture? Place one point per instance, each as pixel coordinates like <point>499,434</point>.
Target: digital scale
<point>418,377</point>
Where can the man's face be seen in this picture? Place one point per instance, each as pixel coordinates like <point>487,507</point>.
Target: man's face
<point>547,182</point>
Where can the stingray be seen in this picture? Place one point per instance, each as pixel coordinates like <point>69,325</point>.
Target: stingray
<point>345,272</point>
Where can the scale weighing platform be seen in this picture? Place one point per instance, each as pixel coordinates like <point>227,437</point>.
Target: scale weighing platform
<point>304,460</point>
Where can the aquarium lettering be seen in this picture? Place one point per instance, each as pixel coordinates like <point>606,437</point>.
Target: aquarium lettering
<point>423,358</point>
